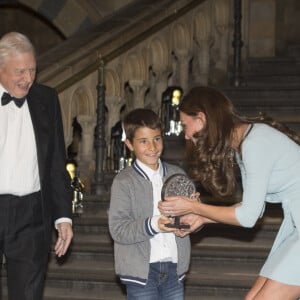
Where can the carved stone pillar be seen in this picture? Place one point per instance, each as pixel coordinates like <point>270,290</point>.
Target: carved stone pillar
<point>222,62</point>
<point>183,57</point>
<point>88,124</point>
<point>202,55</point>
<point>114,105</point>
<point>161,86</point>
<point>139,88</point>
<point>222,30</point>
<point>202,44</point>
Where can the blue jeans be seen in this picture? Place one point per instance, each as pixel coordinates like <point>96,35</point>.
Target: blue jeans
<point>162,284</point>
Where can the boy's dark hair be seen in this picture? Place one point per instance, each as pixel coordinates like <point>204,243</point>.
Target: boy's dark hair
<point>140,117</point>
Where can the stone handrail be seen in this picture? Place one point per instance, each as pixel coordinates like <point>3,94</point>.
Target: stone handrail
<point>79,56</point>
<point>145,49</point>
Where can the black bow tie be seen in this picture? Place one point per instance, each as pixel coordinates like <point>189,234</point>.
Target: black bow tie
<point>6,98</point>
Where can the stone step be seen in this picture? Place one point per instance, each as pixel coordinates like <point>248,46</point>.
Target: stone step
<point>280,103</point>
<point>280,80</point>
<point>210,234</point>
<point>78,290</point>
<point>92,229</point>
<point>82,290</point>
<point>264,95</point>
<point>80,277</point>
<point>272,72</point>
<point>273,66</point>
<point>294,51</point>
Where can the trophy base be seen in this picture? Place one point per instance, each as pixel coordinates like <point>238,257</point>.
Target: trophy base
<point>178,226</point>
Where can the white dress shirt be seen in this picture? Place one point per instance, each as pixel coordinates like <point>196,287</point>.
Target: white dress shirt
<point>19,173</point>
<point>163,244</point>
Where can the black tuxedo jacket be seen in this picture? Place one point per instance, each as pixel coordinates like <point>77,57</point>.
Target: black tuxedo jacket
<point>51,153</point>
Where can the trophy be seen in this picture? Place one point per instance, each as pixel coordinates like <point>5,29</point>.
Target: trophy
<point>178,185</point>
<point>77,188</point>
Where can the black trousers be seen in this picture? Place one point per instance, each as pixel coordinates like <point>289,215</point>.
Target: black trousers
<point>22,241</point>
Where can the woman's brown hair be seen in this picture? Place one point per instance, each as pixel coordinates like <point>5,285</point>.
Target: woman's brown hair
<point>211,158</point>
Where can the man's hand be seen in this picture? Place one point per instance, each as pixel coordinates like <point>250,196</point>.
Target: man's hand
<point>65,235</point>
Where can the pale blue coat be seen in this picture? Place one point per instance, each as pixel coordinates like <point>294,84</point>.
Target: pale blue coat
<point>270,169</point>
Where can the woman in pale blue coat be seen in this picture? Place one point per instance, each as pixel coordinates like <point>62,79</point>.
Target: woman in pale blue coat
<point>268,156</point>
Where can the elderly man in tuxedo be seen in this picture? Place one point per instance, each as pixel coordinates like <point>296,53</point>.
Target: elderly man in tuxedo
<point>35,188</point>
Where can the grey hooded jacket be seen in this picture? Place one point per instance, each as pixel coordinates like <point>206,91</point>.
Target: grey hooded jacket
<point>130,212</point>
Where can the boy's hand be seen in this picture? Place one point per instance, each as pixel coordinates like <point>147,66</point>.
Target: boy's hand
<point>165,220</point>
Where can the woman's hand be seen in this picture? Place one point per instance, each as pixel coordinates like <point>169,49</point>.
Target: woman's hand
<point>196,222</point>
<point>177,206</point>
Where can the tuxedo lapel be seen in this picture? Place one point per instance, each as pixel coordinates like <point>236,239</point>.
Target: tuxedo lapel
<point>40,122</point>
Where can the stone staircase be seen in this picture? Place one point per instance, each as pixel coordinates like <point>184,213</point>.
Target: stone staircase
<point>225,259</point>
<point>270,86</point>
<point>281,72</point>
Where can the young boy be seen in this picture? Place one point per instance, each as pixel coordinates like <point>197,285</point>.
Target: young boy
<point>149,258</point>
